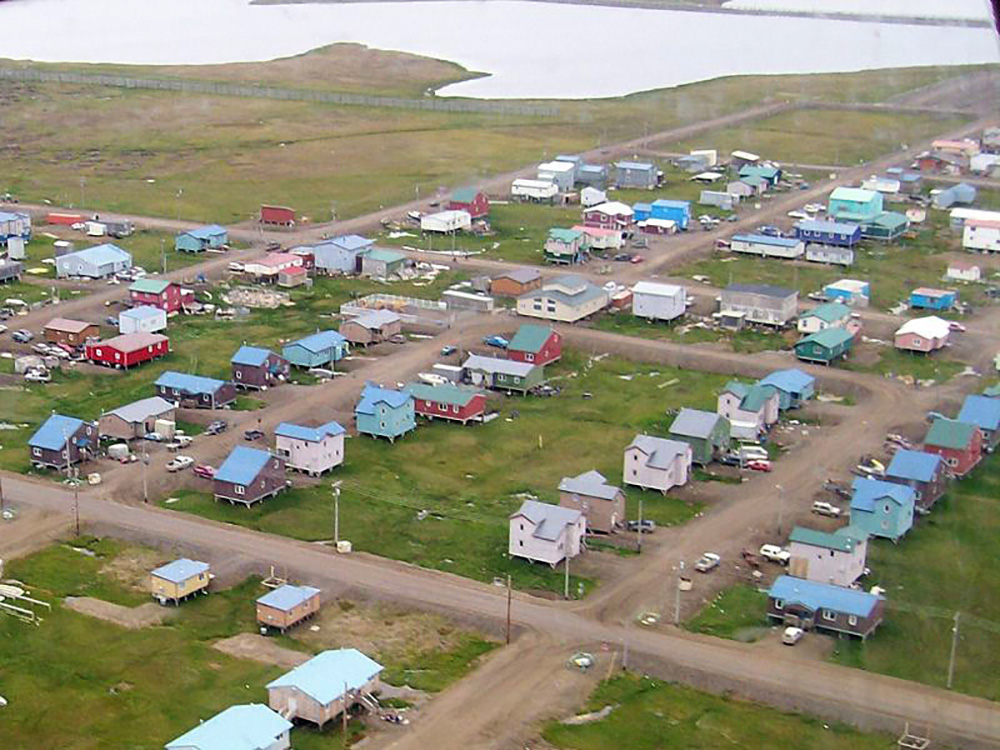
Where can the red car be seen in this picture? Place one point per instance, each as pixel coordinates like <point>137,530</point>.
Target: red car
<point>759,465</point>
<point>204,471</point>
<point>636,259</point>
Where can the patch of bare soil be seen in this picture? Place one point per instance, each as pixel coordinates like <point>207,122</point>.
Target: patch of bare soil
<point>30,531</point>
<point>133,618</point>
<point>131,567</point>
<point>258,648</point>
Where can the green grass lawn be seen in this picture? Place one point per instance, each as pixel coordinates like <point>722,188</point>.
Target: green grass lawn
<point>654,715</point>
<point>737,612</point>
<point>106,684</point>
<point>910,364</point>
<point>468,478</point>
<point>25,291</point>
<point>744,342</point>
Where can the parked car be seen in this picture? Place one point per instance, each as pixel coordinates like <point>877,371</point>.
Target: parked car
<point>956,326</point>
<point>759,464</point>
<point>622,257</point>
<point>648,526</point>
<point>22,336</point>
<point>730,459</point>
<point>769,230</point>
<point>397,338</point>
<point>792,635</point>
<point>498,341</point>
<point>204,471</point>
<point>153,437</point>
<point>826,509</point>
<point>799,215</point>
<point>636,259</point>
<point>253,434</point>
<point>37,375</point>
<point>40,347</point>
<point>447,351</point>
<point>179,441</point>
<point>3,329</point>
<point>708,562</point>
<point>180,463</point>
<point>214,428</point>
<point>775,554</point>
<point>111,320</point>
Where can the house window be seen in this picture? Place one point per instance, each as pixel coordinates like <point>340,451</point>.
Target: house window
<point>885,525</point>
<point>520,542</point>
<point>829,614</point>
<point>522,527</point>
<point>537,304</point>
<point>779,603</point>
<point>239,489</point>
<point>530,357</point>
<point>852,620</point>
<point>382,425</point>
<point>454,408</point>
<point>952,462</point>
<point>36,451</point>
<point>886,509</point>
<point>239,375</point>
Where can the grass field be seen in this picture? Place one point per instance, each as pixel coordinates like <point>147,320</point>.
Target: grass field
<point>737,613</point>
<point>909,364</point>
<point>468,478</point>
<point>745,342</point>
<point>105,685</point>
<point>654,715</point>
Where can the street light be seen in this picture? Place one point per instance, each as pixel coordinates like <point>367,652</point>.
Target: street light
<point>336,514</point>
<point>781,506</point>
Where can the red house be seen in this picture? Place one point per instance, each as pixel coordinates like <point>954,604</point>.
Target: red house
<point>129,350</point>
<point>447,402</point>
<point>473,202</point>
<point>536,344</point>
<point>166,295</point>
<point>611,215</point>
<point>960,444</point>
<point>280,215</point>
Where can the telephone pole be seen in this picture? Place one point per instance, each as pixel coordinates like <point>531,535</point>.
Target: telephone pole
<point>336,514</point>
<point>639,536</point>
<point>566,577</point>
<point>677,594</point>
<point>145,463</point>
<point>954,646</point>
<point>781,507</point>
<point>76,501</point>
<point>507,639</point>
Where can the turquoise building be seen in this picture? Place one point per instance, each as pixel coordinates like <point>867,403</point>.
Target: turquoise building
<point>882,508</point>
<point>854,205</point>
<point>384,412</point>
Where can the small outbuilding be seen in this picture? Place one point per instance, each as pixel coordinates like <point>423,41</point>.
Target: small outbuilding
<point>964,270</point>
<point>655,301</point>
<point>287,606</point>
<point>178,580</point>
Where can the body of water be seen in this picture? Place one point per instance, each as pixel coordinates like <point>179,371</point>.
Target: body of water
<point>530,49</point>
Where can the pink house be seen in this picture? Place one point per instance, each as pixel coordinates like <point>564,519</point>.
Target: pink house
<point>655,463</point>
<point>546,533</point>
<point>312,450</point>
<point>923,334</point>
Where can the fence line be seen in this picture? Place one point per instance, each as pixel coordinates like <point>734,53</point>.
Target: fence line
<point>31,75</point>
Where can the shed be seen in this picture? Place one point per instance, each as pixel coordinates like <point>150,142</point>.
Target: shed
<point>381,264</point>
<point>706,432</point>
<point>317,350</point>
<point>537,344</point>
<point>245,727</point>
<point>602,504</point>
<point>211,237</point>
<point>961,194</point>
<point>195,391</point>
<point>248,476</point>
<point>826,346</point>
<point>926,298</point>
<point>592,196</point>
<point>178,580</point>
<point>313,450</point>
<point>325,686</point>
<point>10,270</point>
<point>655,301</point>
<point>963,270</point>
<point>142,319</point>
<point>287,606</point>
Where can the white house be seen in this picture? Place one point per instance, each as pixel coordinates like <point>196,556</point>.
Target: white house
<point>546,533</point>
<point>446,222</point>
<point>591,196</point>
<point>143,318</point>
<point>658,301</point>
<point>97,262</point>
<point>313,450</point>
<point>767,246</point>
<point>821,317</point>
<point>837,558</point>
<point>560,173</point>
<point>657,463</point>
<point>533,190</point>
<point>981,234</point>
<point>963,270</point>
<point>566,298</point>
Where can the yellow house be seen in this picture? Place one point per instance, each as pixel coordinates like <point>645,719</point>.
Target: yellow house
<point>178,580</point>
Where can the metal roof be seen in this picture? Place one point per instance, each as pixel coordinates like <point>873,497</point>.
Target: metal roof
<point>667,203</point>
<point>549,520</point>
<point>287,597</point>
<point>309,434</point>
<point>254,356</point>
<point>150,286</point>
<point>634,165</point>
<point>842,540</point>
<point>830,227</point>
<point>520,275</point>
<point>950,433</point>
<point>590,483</point>
<point>206,232</point>
<point>371,395</point>
<point>54,431</point>
<point>854,195</point>
<point>99,255</point>
<point>248,727</point>
<point>324,677</point>
<point>497,365</point>
<point>982,411</point>
<point>611,208</point>
<point>695,423</point>
<point>179,571</point>
<point>319,341</point>
<point>142,312</point>
<point>828,338</point>
<point>865,492</point>
<point>660,452</point>
<point>530,338</point>
<point>816,596</point>
<point>68,326</point>
<point>465,195</point>
<point>453,395</point>
<point>926,291</point>
<point>192,384</point>
<point>582,294</point>
<point>829,312</point>
<point>766,239</point>
<point>375,319</point>
<point>143,409</point>
<point>789,381</point>
<point>133,342</point>
<point>767,290</point>
<point>657,290</point>
<point>565,235</point>
<point>916,465</point>
<point>386,256</point>
<point>242,465</point>
<point>351,242</point>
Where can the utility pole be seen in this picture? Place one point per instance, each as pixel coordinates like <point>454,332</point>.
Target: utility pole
<point>954,646</point>
<point>781,507</point>
<point>76,501</point>
<point>507,639</point>
<point>1,497</point>
<point>566,578</point>
<point>343,720</point>
<point>163,254</point>
<point>336,514</point>
<point>639,535</point>
<point>145,463</point>
<point>677,594</point>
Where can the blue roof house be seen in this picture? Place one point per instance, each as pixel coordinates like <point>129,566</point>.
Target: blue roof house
<point>924,472</point>
<point>201,239</point>
<point>676,211</point>
<point>383,412</point>
<point>882,509</point>
<point>249,475</point>
<point>824,607</point>
<point>194,391</point>
<point>245,727</point>
<point>319,349</point>
<point>62,441</point>
<point>855,205</point>
<point>835,233</point>
<point>178,580</point>
<point>287,606</point>
<point>925,298</point>
<point>984,412</point>
<point>642,211</point>
<point>794,387</point>
<point>323,687</point>
<point>341,255</point>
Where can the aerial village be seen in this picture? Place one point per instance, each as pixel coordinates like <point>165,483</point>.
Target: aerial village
<point>322,381</point>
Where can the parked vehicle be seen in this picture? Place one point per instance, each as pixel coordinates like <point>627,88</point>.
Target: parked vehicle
<point>826,509</point>
<point>775,554</point>
<point>447,351</point>
<point>37,375</point>
<point>397,338</point>
<point>153,437</point>
<point>648,526</point>
<point>180,463</point>
<point>253,434</point>
<point>622,257</point>
<point>956,326</point>
<point>214,428</point>
<point>204,471</point>
<point>753,453</point>
<point>179,441</point>
<point>497,341</point>
<point>40,347</point>
<point>3,329</point>
<point>792,635</point>
<point>22,336</point>
<point>759,464</point>
<point>708,562</point>
<point>636,259</point>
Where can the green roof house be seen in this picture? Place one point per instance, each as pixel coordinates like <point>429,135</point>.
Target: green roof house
<point>705,432</point>
<point>821,317</point>
<point>380,264</point>
<point>826,346</point>
<point>750,409</point>
<point>564,247</point>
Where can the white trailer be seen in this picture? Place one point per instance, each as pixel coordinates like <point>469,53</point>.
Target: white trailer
<point>445,222</point>
<point>658,301</point>
<point>979,234</point>
<point>767,246</point>
<point>533,190</point>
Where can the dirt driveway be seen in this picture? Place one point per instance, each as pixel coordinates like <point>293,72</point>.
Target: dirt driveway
<point>133,618</point>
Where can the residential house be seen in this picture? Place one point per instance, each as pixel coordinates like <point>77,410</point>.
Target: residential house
<point>925,298</point>
<point>770,174</point>
<point>595,238</point>
<point>564,247</point>
<point>984,413</point>
<point>248,476</point>
<point>327,685</point>
<point>502,374</point>
<point>136,419</point>
<point>533,191</point>
<point>760,303</point>
<point>678,212</point>
<point>923,334</point>
<point>287,606</point>
<point>313,450</point>
<point>767,246</point>
<point>887,226</point>
<point>963,270</point>
<point>836,233</point>
<point>820,606</point>
<point>447,401</point>
<point>849,292</point>
<point>910,182</point>
<point>610,215</point>
<point>794,387</point>
<point>602,504</point>
<point>211,237</point>
<point>72,333</point>
<point>739,159</point>
<point>372,327</point>
<point>836,558</point>
<point>961,194</point>
<point>265,270</point>
<point>384,412</point>
<point>144,319</point>
<point>883,509</point>
<point>536,344</point>
<point>442,222</point>
<point>575,160</point>
<point>750,409</point>
<point>161,293</point>
<point>540,532</point>
<point>854,205</point>
<point>14,225</point>
<point>655,463</point>
<point>195,391</point>
<point>257,368</point>
<point>516,282</point>
<point>381,264</point>
<point>293,276</point>
<point>742,190</point>
<point>128,349</point>
<point>178,580</point>
<point>566,299</point>
<point>245,727</point>
<point>593,175</point>
<point>631,174</point>
<point>655,301</point>
<point>707,433</point>
<point>717,198</point>
<point>923,472</point>
<point>981,234</point>
<point>828,315</point>
<point>959,217</point>
<point>938,162</point>
<point>825,347</point>
<point>560,173</point>
<point>97,262</point>
<point>10,270</point>
<point>317,350</point>
<point>341,255</point>
<point>62,442</point>
<point>474,202</point>
<point>882,184</point>
<point>592,196</point>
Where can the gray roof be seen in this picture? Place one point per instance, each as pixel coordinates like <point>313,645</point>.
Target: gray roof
<point>694,423</point>
<point>590,483</point>
<point>549,520</point>
<point>660,451</point>
<point>767,290</point>
<point>375,319</point>
<point>143,409</point>
<point>520,275</point>
<point>585,294</point>
<point>495,365</point>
